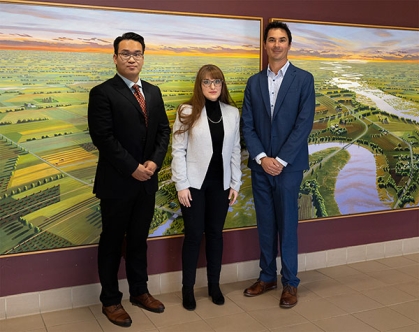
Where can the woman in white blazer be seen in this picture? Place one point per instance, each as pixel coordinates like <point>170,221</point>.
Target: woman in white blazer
<point>206,171</point>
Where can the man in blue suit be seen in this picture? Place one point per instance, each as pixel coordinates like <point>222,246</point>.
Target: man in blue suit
<point>278,112</point>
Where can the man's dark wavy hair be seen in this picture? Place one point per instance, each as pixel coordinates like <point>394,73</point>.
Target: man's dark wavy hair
<point>277,25</point>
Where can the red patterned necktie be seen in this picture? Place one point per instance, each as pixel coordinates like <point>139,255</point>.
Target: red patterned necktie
<point>140,98</point>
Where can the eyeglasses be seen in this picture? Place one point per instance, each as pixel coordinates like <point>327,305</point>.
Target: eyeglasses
<point>137,56</point>
<point>216,82</point>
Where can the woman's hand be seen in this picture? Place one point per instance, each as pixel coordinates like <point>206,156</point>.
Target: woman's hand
<point>233,196</point>
<point>184,197</point>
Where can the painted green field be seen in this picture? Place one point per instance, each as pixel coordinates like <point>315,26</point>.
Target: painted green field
<point>48,161</point>
<point>47,175</point>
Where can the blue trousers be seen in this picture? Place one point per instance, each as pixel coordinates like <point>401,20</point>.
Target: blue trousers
<point>276,204</point>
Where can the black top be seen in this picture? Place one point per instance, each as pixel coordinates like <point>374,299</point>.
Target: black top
<point>215,121</point>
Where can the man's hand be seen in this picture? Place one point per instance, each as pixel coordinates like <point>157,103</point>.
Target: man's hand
<point>271,166</point>
<point>150,165</point>
<point>144,172</point>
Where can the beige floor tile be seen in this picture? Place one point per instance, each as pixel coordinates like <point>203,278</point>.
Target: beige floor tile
<point>412,270</point>
<point>391,277</point>
<point>310,276</point>
<point>397,261</point>
<point>264,301</point>
<point>388,295</point>
<point>368,266</point>
<point>408,309</point>
<point>411,288</point>
<point>410,328</point>
<point>67,316</point>
<point>242,322</point>
<point>96,309</point>
<point>384,319</point>
<point>413,257</point>
<point>277,317</point>
<point>361,282</point>
<point>339,271</point>
<point>306,327</point>
<point>318,309</point>
<point>354,302</point>
<point>328,287</point>
<point>205,308</point>
<point>169,299</point>
<point>200,294</point>
<point>173,315</point>
<point>84,326</point>
<point>345,323</point>
<point>239,286</point>
<point>198,326</point>
<point>20,324</point>
<point>304,294</point>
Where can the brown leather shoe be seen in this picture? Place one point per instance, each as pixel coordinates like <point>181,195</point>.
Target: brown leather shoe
<point>259,287</point>
<point>147,302</point>
<point>117,315</point>
<point>288,297</point>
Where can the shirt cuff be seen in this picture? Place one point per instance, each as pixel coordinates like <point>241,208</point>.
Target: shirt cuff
<point>260,156</point>
<point>283,162</point>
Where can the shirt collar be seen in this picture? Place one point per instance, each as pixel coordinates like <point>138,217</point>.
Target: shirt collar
<point>282,71</point>
<point>128,82</point>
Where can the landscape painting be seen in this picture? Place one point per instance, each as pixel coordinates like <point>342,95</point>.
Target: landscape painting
<point>50,58</point>
<point>364,145</point>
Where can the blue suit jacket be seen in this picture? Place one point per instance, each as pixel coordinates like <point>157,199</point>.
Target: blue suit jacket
<point>285,135</point>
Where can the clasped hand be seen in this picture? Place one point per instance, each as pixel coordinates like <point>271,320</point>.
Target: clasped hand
<point>271,166</point>
<point>145,171</point>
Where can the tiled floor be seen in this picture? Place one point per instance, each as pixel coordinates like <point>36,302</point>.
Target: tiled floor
<point>379,295</point>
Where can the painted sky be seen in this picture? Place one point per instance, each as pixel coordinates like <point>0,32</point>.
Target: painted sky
<point>32,27</point>
<point>319,41</point>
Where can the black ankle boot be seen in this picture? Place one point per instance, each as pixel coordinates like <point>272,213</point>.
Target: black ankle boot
<point>215,292</point>
<point>188,298</point>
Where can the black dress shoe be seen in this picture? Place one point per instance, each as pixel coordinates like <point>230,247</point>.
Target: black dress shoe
<point>188,298</point>
<point>215,292</point>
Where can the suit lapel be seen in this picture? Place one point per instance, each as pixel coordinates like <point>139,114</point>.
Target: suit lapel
<point>264,91</point>
<point>123,89</point>
<point>148,96</point>
<point>285,85</point>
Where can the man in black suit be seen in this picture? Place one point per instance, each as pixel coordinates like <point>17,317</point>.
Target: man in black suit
<point>132,139</point>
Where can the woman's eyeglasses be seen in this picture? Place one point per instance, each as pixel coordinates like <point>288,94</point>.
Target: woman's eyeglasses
<point>216,82</point>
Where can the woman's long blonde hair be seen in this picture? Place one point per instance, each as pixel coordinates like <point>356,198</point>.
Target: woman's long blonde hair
<point>197,100</point>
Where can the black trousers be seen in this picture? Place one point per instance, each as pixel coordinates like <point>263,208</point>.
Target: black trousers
<point>207,215</point>
<point>131,218</point>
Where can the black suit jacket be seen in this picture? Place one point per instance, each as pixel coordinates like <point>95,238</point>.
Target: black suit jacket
<point>117,128</point>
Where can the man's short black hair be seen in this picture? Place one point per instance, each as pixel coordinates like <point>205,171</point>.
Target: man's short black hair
<point>128,36</point>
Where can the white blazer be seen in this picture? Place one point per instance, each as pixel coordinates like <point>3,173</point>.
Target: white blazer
<point>192,150</point>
